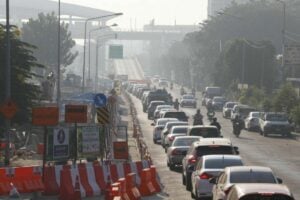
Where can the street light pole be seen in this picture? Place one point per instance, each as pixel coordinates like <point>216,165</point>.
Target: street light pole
<point>7,82</point>
<point>84,44</point>
<point>89,46</point>
<point>283,30</point>
<point>58,57</point>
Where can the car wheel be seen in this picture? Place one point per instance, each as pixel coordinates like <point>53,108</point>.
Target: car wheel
<point>192,194</point>
<point>260,132</point>
<point>265,134</point>
<point>171,166</point>
<point>154,141</point>
<point>188,184</point>
<point>183,179</point>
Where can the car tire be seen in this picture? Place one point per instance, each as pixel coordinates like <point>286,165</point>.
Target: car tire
<point>171,166</point>
<point>265,134</point>
<point>183,179</point>
<point>154,141</point>
<point>188,184</point>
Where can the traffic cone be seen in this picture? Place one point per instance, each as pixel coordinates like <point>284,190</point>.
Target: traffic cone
<point>13,193</point>
<point>77,194</point>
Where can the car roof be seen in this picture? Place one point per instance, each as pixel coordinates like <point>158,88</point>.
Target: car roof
<point>265,188</point>
<point>248,168</point>
<point>157,102</point>
<point>225,156</point>
<point>167,119</point>
<point>188,136</point>
<point>177,122</point>
<point>183,126</point>
<point>213,141</point>
<point>203,126</point>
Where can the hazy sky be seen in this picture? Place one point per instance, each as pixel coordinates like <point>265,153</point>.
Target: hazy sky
<point>140,12</point>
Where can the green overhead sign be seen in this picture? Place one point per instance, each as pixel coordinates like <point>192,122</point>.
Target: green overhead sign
<point>116,51</point>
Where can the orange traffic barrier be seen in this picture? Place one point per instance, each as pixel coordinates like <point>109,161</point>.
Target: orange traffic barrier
<point>84,180</point>
<point>66,187</point>
<point>51,186</point>
<point>113,173</point>
<point>115,190</point>
<point>154,180</point>
<point>132,190</point>
<point>146,188</point>
<point>100,179</point>
<point>123,189</point>
<point>77,193</point>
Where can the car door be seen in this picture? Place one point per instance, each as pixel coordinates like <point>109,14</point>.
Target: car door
<point>196,172</point>
<point>218,187</point>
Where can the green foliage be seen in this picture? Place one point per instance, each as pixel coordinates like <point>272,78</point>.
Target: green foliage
<point>295,114</point>
<point>252,96</point>
<point>42,32</point>
<point>285,99</point>
<point>23,91</point>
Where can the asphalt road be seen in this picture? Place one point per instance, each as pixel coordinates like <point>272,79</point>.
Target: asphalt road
<point>281,154</point>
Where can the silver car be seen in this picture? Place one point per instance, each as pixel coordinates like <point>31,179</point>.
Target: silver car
<point>159,126</point>
<point>209,166</point>
<point>174,132</point>
<point>178,149</point>
<point>241,174</point>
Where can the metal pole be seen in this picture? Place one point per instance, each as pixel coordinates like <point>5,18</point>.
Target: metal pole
<point>83,68</point>
<point>89,61</point>
<point>262,69</point>
<point>7,82</point>
<point>58,57</point>
<point>96,74</point>
<point>243,62</point>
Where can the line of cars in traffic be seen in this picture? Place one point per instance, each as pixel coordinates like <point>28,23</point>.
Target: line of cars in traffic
<point>211,165</point>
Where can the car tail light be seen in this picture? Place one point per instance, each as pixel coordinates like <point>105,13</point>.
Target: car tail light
<point>205,176</point>
<point>171,138</point>
<point>192,159</point>
<point>176,152</point>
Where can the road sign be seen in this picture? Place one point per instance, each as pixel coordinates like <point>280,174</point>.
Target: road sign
<point>292,54</point>
<point>100,100</point>
<point>103,115</point>
<point>90,139</point>
<point>9,109</point>
<point>116,51</point>
<point>61,143</point>
<point>45,116</point>
<point>75,113</point>
<point>120,150</point>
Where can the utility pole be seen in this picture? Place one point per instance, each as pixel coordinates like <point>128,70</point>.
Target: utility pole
<point>58,57</point>
<point>7,82</point>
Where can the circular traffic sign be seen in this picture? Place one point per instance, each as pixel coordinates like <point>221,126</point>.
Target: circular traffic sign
<point>100,100</point>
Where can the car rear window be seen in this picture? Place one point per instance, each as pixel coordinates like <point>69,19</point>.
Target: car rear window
<point>276,117</point>
<point>180,130</point>
<point>252,177</point>
<point>266,196</point>
<point>222,163</point>
<point>214,149</point>
<point>175,115</point>
<point>184,141</point>
<point>170,125</point>
<point>205,132</point>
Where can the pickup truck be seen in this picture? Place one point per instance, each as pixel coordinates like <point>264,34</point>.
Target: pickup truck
<point>274,123</point>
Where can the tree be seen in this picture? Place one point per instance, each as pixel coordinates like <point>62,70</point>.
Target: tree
<point>23,89</point>
<point>42,33</point>
<point>285,99</point>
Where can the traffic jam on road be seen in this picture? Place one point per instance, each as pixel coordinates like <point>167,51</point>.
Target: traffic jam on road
<point>209,162</point>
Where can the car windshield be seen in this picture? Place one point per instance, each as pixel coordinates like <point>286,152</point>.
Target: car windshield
<point>214,149</point>
<point>188,97</point>
<point>184,141</point>
<point>252,177</point>
<point>163,107</point>
<point>205,132</point>
<point>175,115</point>
<point>180,130</point>
<point>219,99</point>
<point>246,111</point>
<point>154,104</point>
<point>255,114</point>
<point>266,196</point>
<point>230,105</point>
<point>276,117</point>
<point>221,163</point>
<point>163,122</point>
<point>170,125</point>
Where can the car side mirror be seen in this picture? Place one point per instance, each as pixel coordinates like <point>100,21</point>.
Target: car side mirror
<point>191,168</point>
<point>152,124</point>
<point>213,180</point>
<point>279,180</point>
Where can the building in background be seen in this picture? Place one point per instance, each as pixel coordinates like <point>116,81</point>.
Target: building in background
<point>214,6</point>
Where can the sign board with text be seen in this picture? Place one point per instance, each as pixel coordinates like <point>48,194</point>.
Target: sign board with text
<point>9,109</point>
<point>120,150</point>
<point>90,139</point>
<point>60,143</point>
<point>45,116</point>
<point>116,51</point>
<point>292,54</point>
<point>76,113</point>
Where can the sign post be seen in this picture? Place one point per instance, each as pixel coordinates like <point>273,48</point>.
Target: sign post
<point>76,114</point>
<point>45,116</point>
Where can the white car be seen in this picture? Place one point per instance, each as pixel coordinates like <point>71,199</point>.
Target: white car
<point>207,167</point>
<point>159,108</point>
<point>227,108</point>
<point>174,132</point>
<point>252,121</point>
<point>159,126</point>
<point>241,174</point>
<point>188,100</point>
